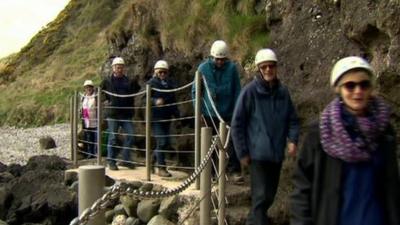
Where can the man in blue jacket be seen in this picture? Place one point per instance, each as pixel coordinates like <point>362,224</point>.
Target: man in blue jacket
<point>222,78</point>
<point>264,121</point>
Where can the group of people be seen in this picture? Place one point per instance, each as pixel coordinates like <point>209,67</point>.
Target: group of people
<point>347,170</point>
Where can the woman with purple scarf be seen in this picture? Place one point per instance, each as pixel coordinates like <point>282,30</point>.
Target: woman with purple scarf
<point>347,172</point>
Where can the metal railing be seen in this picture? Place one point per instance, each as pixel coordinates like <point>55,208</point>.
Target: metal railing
<point>203,142</point>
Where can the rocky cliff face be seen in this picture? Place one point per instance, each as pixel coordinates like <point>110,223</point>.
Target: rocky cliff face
<point>310,36</point>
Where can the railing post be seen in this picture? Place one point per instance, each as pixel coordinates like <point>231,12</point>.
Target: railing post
<point>90,188</point>
<point>148,132</point>
<point>221,180</point>
<point>205,183</point>
<point>197,120</point>
<point>71,123</point>
<point>99,122</point>
<point>75,124</point>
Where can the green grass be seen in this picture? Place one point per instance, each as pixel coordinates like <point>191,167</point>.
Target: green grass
<point>38,81</point>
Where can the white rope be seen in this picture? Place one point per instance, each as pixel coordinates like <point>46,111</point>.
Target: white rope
<point>173,90</point>
<point>212,121</point>
<point>174,119</point>
<point>124,96</point>
<point>127,134</point>
<point>176,103</point>
<point>175,167</point>
<point>133,121</point>
<point>122,147</point>
<point>211,100</point>
<point>172,151</point>
<point>83,94</point>
<point>126,107</point>
<point>173,135</point>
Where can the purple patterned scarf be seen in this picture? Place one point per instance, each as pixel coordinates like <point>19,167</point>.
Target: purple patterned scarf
<point>352,142</point>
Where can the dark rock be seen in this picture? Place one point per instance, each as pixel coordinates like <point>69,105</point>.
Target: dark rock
<point>130,205</point>
<point>15,169</point>
<point>3,167</point>
<point>39,194</point>
<point>156,220</point>
<point>70,177</point>
<point>146,187</point>
<point>5,201</point>
<point>5,177</point>
<point>119,210</point>
<point>47,142</point>
<point>45,162</point>
<point>168,207</point>
<point>147,209</point>
<point>109,215</point>
<point>133,221</point>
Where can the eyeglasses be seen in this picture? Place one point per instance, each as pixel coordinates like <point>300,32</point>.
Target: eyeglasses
<point>351,85</point>
<point>162,72</point>
<point>269,66</point>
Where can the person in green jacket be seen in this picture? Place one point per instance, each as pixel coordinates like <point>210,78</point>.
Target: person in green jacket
<point>222,78</point>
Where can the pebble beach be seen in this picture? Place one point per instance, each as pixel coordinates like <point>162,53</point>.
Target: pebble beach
<point>17,145</point>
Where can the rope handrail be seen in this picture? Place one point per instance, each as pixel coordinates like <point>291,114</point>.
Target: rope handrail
<point>119,189</point>
<point>174,135</point>
<point>81,94</point>
<point>176,103</point>
<point>124,107</point>
<point>174,119</point>
<point>124,96</point>
<point>211,100</point>
<point>175,89</point>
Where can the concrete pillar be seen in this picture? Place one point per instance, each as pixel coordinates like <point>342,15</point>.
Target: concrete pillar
<point>91,188</point>
<point>205,182</point>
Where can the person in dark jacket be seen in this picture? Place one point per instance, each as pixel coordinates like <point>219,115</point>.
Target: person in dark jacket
<point>347,172</point>
<point>263,122</point>
<point>162,111</point>
<point>119,112</point>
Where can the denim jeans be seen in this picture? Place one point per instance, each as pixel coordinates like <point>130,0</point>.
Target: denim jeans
<point>90,136</point>
<point>128,129</point>
<point>264,178</point>
<point>163,142</point>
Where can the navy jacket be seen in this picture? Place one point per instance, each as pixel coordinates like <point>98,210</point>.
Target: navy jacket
<point>163,112</point>
<point>318,177</point>
<point>127,86</point>
<point>263,120</point>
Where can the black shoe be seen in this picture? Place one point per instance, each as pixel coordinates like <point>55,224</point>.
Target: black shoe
<point>162,172</point>
<point>127,165</point>
<point>112,166</point>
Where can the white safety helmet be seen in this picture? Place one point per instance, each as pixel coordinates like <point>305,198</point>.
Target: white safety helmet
<point>161,64</point>
<point>219,49</point>
<point>348,63</point>
<point>88,83</point>
<point>265,55</point>
<point>118,61</point>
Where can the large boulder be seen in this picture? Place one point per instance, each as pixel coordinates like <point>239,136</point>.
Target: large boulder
<point>39,194</point>
<point>47,142</point>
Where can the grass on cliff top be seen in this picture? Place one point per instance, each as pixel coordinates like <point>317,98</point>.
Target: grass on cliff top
<point>47,71</point>
<point>36,83</point>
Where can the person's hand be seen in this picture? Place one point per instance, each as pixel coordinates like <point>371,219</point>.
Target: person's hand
<point>159,101</point>
<point>292,149</point>
<point>245,161</point>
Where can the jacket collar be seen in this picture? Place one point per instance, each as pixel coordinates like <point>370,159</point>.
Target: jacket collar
<point>266,87</point>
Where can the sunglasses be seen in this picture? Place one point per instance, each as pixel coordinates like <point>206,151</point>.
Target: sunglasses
<point>351,85</point>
